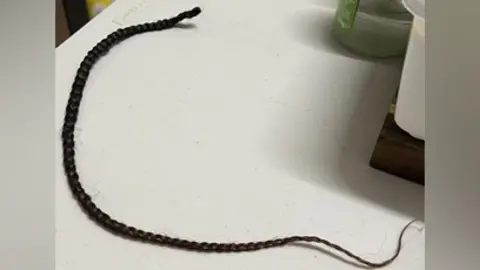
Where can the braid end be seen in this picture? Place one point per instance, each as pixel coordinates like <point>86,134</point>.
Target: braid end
<point>194,12</point>
<point>190,13</point>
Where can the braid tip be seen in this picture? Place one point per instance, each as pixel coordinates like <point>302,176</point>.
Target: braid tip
<point>193,12</point>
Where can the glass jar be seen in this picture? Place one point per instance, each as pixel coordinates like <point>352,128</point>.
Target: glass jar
<point>376,28</point>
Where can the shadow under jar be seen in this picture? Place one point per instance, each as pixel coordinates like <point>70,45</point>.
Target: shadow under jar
<point>374,28</point>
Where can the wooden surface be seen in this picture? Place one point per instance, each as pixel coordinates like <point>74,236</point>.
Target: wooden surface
<point>61,28</point>
<point>398,153</point>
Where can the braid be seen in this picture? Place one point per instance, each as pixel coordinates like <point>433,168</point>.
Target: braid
<point>121,229</point>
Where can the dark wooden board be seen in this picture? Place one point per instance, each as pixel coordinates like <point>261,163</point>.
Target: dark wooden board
<point>398,153</point>
<point>61,27</point>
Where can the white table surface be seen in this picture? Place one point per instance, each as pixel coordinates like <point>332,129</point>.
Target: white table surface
<point>248,126</point>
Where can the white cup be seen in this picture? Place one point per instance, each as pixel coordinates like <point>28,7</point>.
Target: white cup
<point>410,106</point>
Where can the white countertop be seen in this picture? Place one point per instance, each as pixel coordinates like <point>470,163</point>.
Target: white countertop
<point>250,125</point>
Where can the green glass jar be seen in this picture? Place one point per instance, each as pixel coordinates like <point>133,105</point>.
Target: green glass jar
<point>376,28</point>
